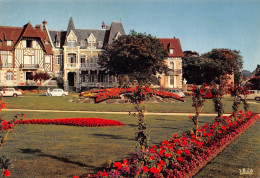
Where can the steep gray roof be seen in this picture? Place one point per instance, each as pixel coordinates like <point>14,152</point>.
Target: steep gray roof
<point>58,36</point>
<point>103,36</point>
<point>83,34</point>
<point>70,26</point>
<point>114,29</point>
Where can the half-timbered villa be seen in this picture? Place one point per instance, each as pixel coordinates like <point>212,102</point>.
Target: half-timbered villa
<point>23,50</point>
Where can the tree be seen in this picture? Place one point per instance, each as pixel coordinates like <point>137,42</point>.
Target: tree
<point>41,77</point>
<point>210,66</point>
<point>136,55</point>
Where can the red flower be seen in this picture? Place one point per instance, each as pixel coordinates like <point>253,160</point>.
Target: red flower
<point>152,157</point>
<point>180,159</point>
<point>104,174</point>
<point>219,131</point>
<point>118,165</point>
<point>179,152</point>
<point>159,167</point>
<point>162,162</point>
<point>187,152</point>
<point>184,143</point>
<point>223,127</point>
<point>161,152</point>
<point>168,155</point>
<point>154,170</point>
<point>7,173</point>
<point>165,142</point>
<point>145,169</point>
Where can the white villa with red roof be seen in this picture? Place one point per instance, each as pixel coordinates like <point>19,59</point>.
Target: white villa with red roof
<point>71,55</point>
<point>173,78</point>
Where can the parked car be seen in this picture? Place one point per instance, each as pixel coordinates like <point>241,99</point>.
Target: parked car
<point>253,95</point>
<point>10,92</point>
<point>56,92</point>
<point>177,92</point>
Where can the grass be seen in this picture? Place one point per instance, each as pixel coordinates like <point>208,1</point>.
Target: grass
<point>61,103</point>
<point>64,151</point>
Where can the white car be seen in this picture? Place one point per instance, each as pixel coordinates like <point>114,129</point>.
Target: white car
<point>177,92</point>
<point>10,92</point>
<point>254,95</point>
<point>56,92</point>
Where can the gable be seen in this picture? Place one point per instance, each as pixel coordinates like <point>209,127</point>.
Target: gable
<point>72,36</point>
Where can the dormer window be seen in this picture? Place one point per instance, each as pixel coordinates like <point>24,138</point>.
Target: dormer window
<point>28,43</point>
<point>117,36</point>
<point>91,41</point>
<point>9,43</point>
<point>100,44</point>
<point>57,44</point>
<point>171,51</point>
<point>83,43</point>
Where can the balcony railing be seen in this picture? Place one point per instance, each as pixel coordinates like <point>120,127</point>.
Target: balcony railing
<point>174,72</point>
<point>71,65</point>
<point>29,66</point>
<point>89,65</point>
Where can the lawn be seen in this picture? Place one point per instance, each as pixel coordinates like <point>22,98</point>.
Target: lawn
<point>59,151</point>
<point>62,103</point>
<point>65,151</point>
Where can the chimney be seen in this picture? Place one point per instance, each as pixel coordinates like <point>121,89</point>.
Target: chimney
<point>103,25</point>
<point>44,23</point>
<point>38,27</point>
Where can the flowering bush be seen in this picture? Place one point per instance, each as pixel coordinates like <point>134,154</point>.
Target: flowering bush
<point>83,122</point>
<point>182,155</point>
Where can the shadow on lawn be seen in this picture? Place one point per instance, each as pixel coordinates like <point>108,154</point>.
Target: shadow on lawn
<point>62,159</point>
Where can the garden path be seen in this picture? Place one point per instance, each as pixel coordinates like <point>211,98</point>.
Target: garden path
<point>104,112</point>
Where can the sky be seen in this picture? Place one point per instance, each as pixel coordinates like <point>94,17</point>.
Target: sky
<point>201,25</point>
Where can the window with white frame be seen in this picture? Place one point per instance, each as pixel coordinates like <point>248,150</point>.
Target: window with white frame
<point>171,80</point>
<point>58,58</point>
<point>9,43</point>
<point>91,41</point>
<point>82,59</point>
<point>9,76</point>
<point>72,43</point>
<point>171,65</point>
<point>171,51</point>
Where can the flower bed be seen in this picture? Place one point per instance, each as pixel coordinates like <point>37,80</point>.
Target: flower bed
<point>114,93</point>
<point>83,122</point>
<point>183,156</point>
